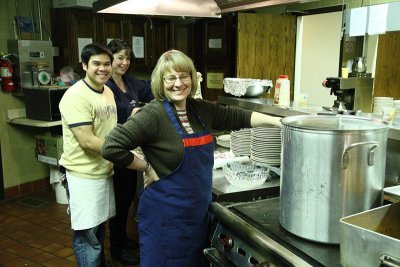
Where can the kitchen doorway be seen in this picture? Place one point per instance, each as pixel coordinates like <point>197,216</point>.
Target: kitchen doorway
<point>318,44</point>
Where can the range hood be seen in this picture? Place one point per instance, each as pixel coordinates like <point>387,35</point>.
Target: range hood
<point>189,8</point>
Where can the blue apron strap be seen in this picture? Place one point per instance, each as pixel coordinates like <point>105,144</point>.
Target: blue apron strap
<point>172,117</point>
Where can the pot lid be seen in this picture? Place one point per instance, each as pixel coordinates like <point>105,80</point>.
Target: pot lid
<point>334,123</point>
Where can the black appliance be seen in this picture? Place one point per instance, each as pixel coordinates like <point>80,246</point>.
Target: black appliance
<point>42,103</point>
<point>355,93</point>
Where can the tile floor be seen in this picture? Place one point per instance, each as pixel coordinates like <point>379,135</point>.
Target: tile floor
<point>35,231</point>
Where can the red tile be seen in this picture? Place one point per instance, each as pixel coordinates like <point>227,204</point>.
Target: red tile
<point>52,247</point>
<point>65,252</point>
<point>25,188</point>
<point>11,192</point>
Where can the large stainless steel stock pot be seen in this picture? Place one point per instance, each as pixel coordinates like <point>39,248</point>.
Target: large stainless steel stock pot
<point>332,166</point>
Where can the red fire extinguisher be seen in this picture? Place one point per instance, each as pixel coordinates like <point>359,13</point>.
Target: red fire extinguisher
<point>6,71</point>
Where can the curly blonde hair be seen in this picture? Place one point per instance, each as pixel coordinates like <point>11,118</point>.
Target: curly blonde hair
<point>172,60</point>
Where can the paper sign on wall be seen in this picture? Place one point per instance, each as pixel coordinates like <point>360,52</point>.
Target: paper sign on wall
<point>214,43</point>
<point>358,21</point>
<point>138,46</point>
<point>215,80</point>
<point>393,18</point>
<point>82,42</point>
<point>377,19</point>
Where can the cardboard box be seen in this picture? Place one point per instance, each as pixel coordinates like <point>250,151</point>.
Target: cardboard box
<point>49,149</point>
<point>72,3</point>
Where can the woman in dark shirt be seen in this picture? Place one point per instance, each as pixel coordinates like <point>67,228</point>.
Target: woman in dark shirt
<point>129,94</point>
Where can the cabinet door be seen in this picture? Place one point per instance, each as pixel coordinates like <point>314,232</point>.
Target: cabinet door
<point>183,37</point>
<point>71,28</point>
<point>110,26</point>
<point>160,39</point>
<point>218,54</point>
<point>137,37</point>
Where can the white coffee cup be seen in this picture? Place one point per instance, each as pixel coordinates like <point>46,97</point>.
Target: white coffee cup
<point>345,73</point>
<point>388,114</point>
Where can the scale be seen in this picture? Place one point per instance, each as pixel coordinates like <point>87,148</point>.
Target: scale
<point>44,77</point>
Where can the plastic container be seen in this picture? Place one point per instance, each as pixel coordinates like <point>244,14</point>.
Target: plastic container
<point>282,91</point>
<point>61,193</point>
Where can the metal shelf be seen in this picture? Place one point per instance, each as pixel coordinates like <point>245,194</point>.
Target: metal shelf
<point>18,116</point>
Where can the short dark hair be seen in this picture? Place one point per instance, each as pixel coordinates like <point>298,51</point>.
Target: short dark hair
<point>117,45</point>
<point>94,49</point>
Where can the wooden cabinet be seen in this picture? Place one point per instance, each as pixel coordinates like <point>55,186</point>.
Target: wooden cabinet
<point>155,33</point>
<point>110,26</point>
<point>218,53</point>
<point>68,25</point>
<point>138,26</point>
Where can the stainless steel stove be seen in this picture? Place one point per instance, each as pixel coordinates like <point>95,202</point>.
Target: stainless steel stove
<point>249,234</point>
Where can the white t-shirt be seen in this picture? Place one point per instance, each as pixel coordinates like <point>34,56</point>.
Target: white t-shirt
<point>82,105</point>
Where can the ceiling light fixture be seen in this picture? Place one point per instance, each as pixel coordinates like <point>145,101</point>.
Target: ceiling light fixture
<point>187,8</point>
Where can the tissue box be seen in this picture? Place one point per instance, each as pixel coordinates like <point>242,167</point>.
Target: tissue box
<point>49,149</point>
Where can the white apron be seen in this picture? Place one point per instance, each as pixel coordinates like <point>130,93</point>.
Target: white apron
<point>91,202</point>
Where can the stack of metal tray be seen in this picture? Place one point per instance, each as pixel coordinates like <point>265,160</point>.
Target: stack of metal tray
<point>371,238</point>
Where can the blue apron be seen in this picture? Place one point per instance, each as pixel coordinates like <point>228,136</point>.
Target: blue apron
<point>173,212</point>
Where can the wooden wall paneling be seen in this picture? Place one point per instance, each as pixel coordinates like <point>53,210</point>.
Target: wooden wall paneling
<point>265,46</point>
<point>387,78</point>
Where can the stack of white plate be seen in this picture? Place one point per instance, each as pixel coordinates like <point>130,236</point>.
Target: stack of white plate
<point>379,103</point>
<point>266,145</point>
<point>224,140</point>
<point>240,142</point>
<point>396,105</point>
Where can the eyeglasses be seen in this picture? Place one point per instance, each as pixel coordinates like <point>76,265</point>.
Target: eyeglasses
<point>172,79</point>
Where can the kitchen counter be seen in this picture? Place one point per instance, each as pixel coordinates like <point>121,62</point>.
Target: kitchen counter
<point>223,191</point>
<point>264,105</point>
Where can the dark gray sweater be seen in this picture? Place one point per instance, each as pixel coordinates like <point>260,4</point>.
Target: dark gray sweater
<point>153,131</point>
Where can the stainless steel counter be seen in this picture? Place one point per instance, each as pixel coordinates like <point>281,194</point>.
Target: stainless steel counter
<point>265,106</point>
<point>223,191</point>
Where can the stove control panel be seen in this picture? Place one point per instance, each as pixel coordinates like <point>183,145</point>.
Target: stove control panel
<point>239,251</point>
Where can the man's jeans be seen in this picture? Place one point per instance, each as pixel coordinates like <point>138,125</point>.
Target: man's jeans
<point>88,246</point>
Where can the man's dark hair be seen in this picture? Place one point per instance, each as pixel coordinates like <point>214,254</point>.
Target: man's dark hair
<point>94,49</point>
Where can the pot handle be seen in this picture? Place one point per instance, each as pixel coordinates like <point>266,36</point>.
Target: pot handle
<point>387,260</point>
<point>370,157</point>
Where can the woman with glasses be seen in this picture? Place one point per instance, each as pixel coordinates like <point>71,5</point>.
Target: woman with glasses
<point>174,132</point>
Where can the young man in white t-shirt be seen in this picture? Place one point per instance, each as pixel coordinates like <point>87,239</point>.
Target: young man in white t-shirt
<point>88,113</point>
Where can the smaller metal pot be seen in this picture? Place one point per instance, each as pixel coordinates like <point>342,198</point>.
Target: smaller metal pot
<point>256,90</point>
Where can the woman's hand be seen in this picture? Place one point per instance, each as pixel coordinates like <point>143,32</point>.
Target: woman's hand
<point>149,176</point>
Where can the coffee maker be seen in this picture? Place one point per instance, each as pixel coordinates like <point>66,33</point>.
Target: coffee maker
<point>355,93</point>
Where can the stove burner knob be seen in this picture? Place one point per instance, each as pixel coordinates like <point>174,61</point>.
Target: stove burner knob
<point>227,242</point>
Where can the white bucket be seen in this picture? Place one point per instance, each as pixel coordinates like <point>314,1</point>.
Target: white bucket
<point>61,193</point>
